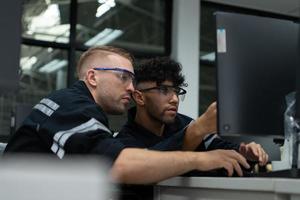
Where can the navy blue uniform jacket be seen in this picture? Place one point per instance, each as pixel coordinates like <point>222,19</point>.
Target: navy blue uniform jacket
<point>135,135</point>
<point>68,121</point>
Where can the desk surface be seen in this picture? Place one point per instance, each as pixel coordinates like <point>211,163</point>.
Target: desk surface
<point>251,184</point>
<point>228,188</point>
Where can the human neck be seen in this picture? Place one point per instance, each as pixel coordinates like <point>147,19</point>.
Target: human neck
<point>149,123</point>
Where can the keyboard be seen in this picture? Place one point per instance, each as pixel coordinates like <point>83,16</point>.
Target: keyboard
<point>291,173</point>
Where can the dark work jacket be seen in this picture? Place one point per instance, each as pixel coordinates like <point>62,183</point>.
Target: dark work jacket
<point>135,135</point>
<point>68,121</point>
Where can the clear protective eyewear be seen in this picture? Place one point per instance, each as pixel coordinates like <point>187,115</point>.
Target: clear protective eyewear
<point>124,75</point>
<point>167,90</point>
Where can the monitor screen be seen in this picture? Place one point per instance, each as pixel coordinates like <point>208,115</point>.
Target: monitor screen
<point>256,68</point>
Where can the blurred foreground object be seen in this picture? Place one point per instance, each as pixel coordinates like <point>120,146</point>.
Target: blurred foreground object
<point>36,178</point>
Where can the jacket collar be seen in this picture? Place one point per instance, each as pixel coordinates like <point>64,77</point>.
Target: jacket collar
<point>81,86</point>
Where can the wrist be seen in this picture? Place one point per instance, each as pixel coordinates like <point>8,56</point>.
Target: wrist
<point>194,158</point>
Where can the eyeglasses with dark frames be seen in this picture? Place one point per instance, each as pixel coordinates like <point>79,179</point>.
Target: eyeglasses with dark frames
<point>167,90</point>
<point>124,75</point>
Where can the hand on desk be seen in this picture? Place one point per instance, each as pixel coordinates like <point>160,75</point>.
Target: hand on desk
<point>229,160</point>
<point>254,152</point>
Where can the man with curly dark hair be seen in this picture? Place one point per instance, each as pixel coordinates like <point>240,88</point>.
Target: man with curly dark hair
<point>155,124</point>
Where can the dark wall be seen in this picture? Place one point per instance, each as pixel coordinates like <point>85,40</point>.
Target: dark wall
<point>10,43</point>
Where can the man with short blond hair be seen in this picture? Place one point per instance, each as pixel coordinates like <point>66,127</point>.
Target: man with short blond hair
<point>85,60</point>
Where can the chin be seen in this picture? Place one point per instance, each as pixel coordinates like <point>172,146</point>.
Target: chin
<point>169,120</point>
<point>117,111</point>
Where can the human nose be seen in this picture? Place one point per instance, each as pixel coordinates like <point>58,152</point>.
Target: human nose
<point>130,87</point>
<point>174,97</point>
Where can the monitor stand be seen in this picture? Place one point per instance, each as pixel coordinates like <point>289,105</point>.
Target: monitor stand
<point>286,156</point>
<point>288,167</point>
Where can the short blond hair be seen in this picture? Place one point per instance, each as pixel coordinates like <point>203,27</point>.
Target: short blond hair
<point>105,50</point>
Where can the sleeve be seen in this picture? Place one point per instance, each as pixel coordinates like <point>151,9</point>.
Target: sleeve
<point>97,143</point>
<point>89,137</point>
<point>215,142</point>
<point>80,131</point>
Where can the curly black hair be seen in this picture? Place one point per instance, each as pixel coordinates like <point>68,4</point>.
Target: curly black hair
<point>159,69</point>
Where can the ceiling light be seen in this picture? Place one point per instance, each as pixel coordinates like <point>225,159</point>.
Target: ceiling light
<point>104,37</point>
<point>53,66</point>
<point>105,6</point>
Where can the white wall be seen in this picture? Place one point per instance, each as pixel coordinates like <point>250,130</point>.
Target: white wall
<point>185,49</point>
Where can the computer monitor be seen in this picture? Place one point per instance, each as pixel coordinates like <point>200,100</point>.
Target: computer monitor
<point>257,59</point>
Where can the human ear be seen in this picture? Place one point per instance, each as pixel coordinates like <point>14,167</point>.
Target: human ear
<point>91,77</point>
<point>138,97</point>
